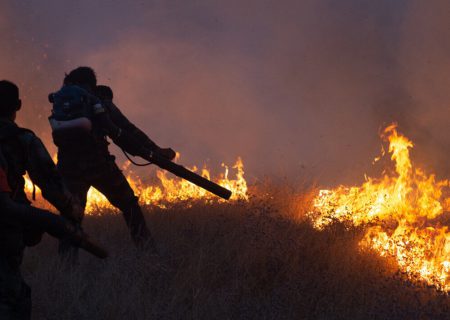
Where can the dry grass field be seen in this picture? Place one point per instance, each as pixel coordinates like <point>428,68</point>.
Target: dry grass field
<point>255,260</point>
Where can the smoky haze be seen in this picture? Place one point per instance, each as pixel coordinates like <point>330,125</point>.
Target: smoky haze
<point>296,88</point>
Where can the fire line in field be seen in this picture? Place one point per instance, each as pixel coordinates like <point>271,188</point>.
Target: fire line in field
<point>170,190</point>
<point>401,213</point>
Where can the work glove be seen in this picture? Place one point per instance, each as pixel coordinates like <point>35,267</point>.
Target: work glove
<point>167,153</point>
<point>74,232</point>
<point>74,211</point>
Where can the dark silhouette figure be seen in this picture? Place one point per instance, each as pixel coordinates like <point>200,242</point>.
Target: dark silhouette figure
<point>21,224</point>
<point>81,126</point>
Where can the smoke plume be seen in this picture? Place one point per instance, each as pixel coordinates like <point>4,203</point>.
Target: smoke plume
<point>297,88</point>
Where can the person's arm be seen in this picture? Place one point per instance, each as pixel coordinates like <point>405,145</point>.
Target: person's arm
<point>43,173</point>
<point>27,215</point>
<point>45,221</point>
<point>123,123</point>
<point>125,134</point>
<point>120,137</point>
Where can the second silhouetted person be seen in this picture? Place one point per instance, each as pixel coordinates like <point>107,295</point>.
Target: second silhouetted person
<point>82,119</point>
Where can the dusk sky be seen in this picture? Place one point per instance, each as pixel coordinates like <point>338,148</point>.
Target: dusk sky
<point>298,89</point>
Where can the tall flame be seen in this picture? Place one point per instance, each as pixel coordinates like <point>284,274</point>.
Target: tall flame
<point>169,190</point>
<point>401,212</point>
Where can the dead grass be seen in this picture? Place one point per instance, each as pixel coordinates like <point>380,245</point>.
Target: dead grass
<point>245,261</point>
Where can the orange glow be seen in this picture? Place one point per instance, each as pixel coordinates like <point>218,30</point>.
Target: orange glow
<point>401,214</point>
<point>169,189</point>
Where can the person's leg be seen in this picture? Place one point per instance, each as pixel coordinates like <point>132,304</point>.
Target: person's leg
<point>79,188</point>
<point>15,294</point>
<point>117,190</point>
<point>23,306</point>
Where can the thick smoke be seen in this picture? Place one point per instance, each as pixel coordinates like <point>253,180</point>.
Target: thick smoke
<point>297,88</point>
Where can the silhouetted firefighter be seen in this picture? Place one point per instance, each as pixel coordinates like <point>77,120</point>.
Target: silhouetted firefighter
<point>21,224</point>
<point>81,121</point>
<point>83,116</point>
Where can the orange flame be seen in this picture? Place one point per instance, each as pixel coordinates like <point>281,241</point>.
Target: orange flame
<point>401,213</point>
<point>169,190</point>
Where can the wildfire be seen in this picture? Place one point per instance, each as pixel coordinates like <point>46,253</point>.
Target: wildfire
<point>402,214</point>
<point>169,190</point>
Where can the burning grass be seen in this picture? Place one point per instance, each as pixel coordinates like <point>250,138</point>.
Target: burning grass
<point>403,212</point>
<point>260,259</point>
<point>167,190</point>
<point>376,251</point>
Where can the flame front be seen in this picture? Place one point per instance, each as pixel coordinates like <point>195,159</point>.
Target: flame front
<point>401,212</point>
<point>169,190</point>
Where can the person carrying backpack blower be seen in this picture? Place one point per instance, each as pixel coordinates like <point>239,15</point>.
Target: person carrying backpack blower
<point>81,121</point>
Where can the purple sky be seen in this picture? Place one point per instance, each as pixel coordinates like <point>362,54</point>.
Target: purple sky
<point>297,88</point>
